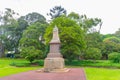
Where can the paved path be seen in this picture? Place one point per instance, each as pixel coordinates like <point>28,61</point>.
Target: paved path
<point>73,74</point>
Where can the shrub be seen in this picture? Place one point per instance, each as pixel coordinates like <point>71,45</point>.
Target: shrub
<point>20,64</point>
<point>30,53</point>
<point>93,53</point>
<point>114,56</point>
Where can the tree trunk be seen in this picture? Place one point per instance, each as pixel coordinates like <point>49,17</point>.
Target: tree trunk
<point>1,51</point>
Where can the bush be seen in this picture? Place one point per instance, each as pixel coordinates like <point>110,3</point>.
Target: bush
<point>114,56</point>
<point>20,64</point>
<point>93,53</point>
<point>30,53</point>
<point>17,55</point>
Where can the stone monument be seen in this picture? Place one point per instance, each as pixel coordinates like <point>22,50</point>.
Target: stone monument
<point>54,61</point>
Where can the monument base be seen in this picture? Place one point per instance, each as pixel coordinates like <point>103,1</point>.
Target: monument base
<point>54,70</point>
<point>54,65</point>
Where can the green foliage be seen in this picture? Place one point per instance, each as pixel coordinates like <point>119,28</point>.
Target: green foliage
<point>87,24</point>
<point>70,51</point>
<point>107,36</point>
<point>93,40</point>
<point>33,17</point>
<point>92,36</point>
<point>9,36</point>
<point>9,30</point>
<point>117,33</point>
<point>20,64</point>
<point>22,25</point>
<point>93,53</point>
<point>112,39</point>
<point>74,15</point>
<point>71,36</point>
<point>92,63</point>
<point>56,12</point>
<point>8,16</point>
<point>114,56</point>
<point>30,53</point>
<point>31,36</point>
<point>110,44</point>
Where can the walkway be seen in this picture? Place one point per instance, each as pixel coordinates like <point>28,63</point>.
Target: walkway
<point>73,74</point>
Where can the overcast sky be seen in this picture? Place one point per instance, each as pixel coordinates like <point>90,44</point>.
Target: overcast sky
<point>107,10</point>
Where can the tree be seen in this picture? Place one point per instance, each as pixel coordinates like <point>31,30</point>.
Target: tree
<point>31,36</point>
<point>71,36</point>
<point>93,54</point>
<point>33,17</point>
<point>56,12</point>
<point>112,39</point>
<point>22,25</point>
<point>8,16</point>
<point>11,37</point>
<point>74,16</point>
<point>93,40</point>
<point>1,51</point>
<point>30,53</point>
<point>92,36</point>
<point>107,36</point>
<point>114,56</point>
<point>117,33</point>
<point>8,25</point>
<point>88,24</point>
<point>110,44</point>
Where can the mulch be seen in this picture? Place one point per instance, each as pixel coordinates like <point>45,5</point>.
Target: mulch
<point>73,74</point>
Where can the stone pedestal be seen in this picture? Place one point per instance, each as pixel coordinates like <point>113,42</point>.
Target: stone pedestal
<point>53,64</point>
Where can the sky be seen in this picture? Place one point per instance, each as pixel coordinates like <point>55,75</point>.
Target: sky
<point>107,10</point>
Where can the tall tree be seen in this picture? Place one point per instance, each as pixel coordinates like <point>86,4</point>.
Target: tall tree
<point>71,36</point>
<point>30,38</point>
<point>8,16</point>
<point>86,23</point>
<point>56,12</point>
<point>92,35</point>
<point>33,17</point>
<point>8,24</point>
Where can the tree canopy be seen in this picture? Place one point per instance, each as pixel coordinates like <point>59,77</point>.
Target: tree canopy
<point>78,34</point>
<point>56,12</point>
<point>71,36</point>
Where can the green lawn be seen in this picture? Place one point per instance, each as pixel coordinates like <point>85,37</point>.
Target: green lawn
<point>6,69</point>
<point>102,74</point>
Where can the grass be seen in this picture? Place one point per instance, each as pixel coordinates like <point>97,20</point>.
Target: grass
<point>98,70</point>
<point>102,74</point>
<point>6,69</point>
